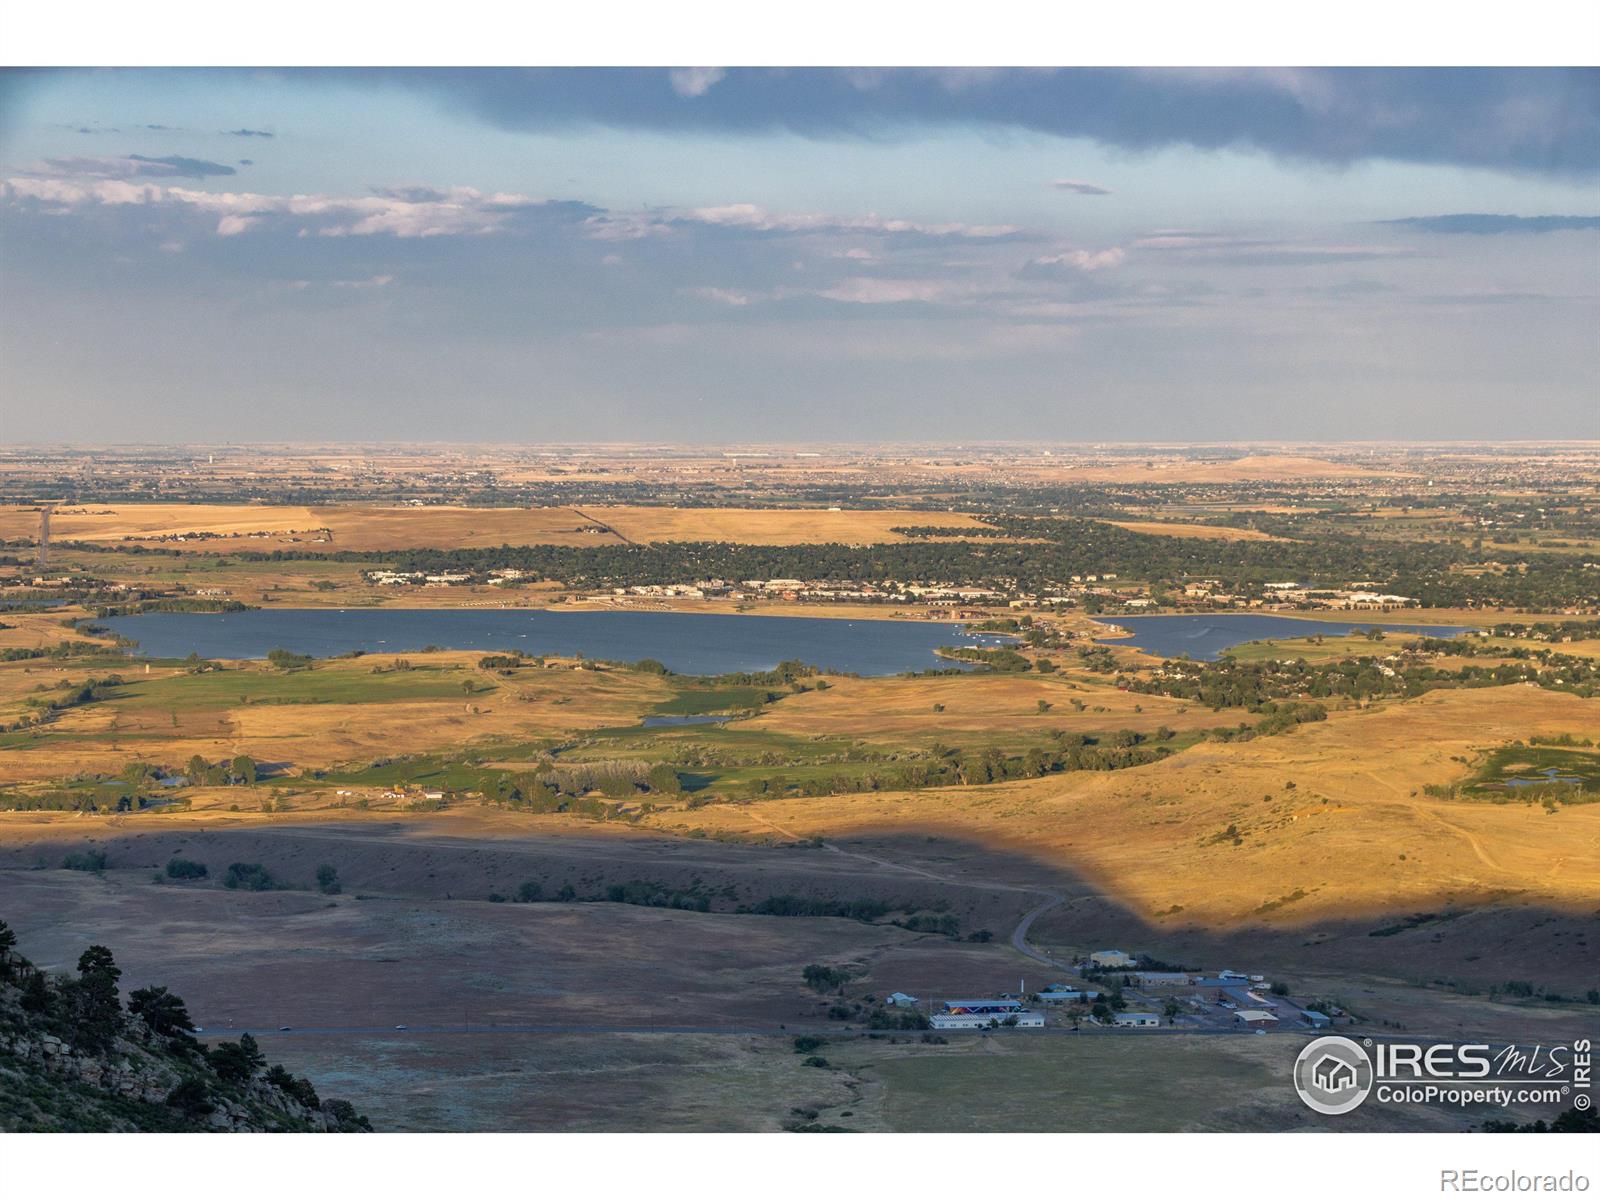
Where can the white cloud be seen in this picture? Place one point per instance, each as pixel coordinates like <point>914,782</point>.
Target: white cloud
<point>754,217</point>
<point>695,81</point>
<point>1085,260</point>
<point>718,295</point>
<point>405,215</point>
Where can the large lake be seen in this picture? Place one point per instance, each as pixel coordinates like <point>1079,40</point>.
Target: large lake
<point>1206,637</point>
<point>688,643</point>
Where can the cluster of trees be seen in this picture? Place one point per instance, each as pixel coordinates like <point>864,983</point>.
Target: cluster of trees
<point>1001,658</point>
<point>180,604</point>
<point>240,770</point>
<point>565,788</point>
<point>85,1010</point>
<point>1278,716</point>
<point>788,905</point>
<point>70,695</point>
<point>1056,549</point>
<point>1229,683</point>
<point>658,895</point>
<point>820,977</point>
<point>66,649</point>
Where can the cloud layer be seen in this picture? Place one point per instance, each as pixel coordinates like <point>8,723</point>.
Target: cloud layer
<point>1534,120</point>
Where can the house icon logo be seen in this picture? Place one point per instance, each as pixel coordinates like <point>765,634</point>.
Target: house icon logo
<point>1333,1075</point>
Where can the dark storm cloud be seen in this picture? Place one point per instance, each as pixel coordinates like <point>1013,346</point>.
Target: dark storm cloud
<point>1494,223</point>
<point>1544,120</point>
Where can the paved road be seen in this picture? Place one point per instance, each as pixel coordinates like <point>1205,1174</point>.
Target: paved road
<point>259,1032</point>
<point>1019,935</point>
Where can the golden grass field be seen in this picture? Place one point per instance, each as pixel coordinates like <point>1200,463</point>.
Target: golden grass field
<point>1355,834</point>
<point>1212,533</point>
<point>900,710</point>
<point>366,527</point>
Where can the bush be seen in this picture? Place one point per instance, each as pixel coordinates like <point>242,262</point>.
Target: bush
<point>85,860</point>
<point>806,1043</point>
<point>820,978</point>
<point>186,868</point>
<point>248,877</point>
<point>530,891</point>
<point>328,880</point>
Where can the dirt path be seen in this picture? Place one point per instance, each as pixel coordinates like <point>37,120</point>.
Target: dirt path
<point>1019,935</point>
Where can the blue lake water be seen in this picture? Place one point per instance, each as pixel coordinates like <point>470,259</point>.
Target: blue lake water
<point>688,643</point>
<point>1206,637</point>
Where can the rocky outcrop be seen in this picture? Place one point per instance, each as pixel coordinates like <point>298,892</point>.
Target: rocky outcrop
<point>72,1058</point>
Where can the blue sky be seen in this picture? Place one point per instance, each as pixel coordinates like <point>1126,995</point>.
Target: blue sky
<point>745,255</point>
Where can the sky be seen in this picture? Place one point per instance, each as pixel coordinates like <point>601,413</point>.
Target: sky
<point>746,255</point>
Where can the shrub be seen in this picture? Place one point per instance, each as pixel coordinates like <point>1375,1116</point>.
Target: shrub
<point>248,877</point>
<point>328,880</point>
<point>530,891</point>
<point>820,978</point>
<point>85,860</point>
<point>186,868</point>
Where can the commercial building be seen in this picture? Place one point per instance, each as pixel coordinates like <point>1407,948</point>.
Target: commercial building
<point>982,1008</point>
<point>1111,958</point>
<point>1058,994</point>
<point>1162,979</point>
<point>1019,1019</point>
<point>1257,1017</point>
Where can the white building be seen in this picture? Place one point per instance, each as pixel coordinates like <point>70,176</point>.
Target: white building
<point>1111,958</point>
<point>1020,1019</point>
<point>1056,994</point>
<point>900,1000</point>
<point>1136,1020</point>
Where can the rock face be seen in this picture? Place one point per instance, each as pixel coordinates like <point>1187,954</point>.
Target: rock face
<point>70,1066</point>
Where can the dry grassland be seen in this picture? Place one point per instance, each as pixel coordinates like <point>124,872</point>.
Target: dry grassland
<point>1210,533</point>
<point>363,527</point>
<point>160,723</point>
<point>894,710</point>
<point>1354,835</point>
